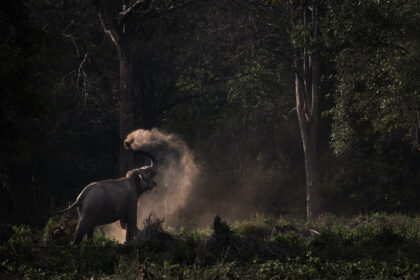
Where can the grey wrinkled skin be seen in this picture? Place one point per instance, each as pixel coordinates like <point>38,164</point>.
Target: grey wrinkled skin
<point>107,201</point>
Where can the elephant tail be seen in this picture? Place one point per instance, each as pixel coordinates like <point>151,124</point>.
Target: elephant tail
<point>77,203</point>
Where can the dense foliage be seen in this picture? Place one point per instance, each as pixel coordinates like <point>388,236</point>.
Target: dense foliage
<point>375,113</point>
<point>363,247</point>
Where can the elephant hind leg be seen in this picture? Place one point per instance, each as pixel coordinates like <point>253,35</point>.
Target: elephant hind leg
<point>82,228</point>
<point>78,238</point>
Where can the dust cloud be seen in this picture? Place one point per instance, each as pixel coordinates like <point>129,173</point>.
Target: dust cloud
<point>176,176</point>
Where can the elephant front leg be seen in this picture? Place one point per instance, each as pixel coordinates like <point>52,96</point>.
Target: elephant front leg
<point>132,232</point>
<point>123,224</point>
<point>131,221</point>
<point>131,224</point>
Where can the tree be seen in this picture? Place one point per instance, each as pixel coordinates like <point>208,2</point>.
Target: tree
<point>296,24</point>
<point>375,49</point>
<point>119,21</point>
<point>306,63</point>
<point>292,34</point>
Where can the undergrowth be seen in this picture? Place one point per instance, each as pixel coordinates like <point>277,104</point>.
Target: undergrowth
<point>374,246</point>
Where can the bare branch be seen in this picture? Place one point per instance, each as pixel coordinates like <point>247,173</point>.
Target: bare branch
<point>79,71</point>
<point>174,7</point>
<point>124,15</point>
<point>71,37</point>
<point>287,116</point>
<point>108,30</point>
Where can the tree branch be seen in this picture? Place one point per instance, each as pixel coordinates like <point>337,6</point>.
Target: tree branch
<point>108,30</point>
<point>287,116</point>
<point>124,15</point>
<point>79,71</point>
<point>173,8</point>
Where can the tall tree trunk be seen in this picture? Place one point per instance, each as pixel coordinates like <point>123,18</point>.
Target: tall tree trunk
<point>120,37</point>
<point>307,111</point>
<point>116,27</point>
<point>125,102</point>
<point>307,81</point>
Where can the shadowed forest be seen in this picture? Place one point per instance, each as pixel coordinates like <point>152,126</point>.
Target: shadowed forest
<point>286,135</point>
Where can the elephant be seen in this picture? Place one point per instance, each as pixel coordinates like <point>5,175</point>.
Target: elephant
<point>107,201</point>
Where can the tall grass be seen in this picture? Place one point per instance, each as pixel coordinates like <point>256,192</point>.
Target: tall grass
<point>376,246</point>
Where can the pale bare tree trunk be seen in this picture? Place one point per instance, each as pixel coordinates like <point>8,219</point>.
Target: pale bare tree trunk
<point>308,122</point>
<point>307,77</point>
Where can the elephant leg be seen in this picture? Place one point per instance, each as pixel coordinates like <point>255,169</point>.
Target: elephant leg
<point>81,229</point>
<point>132,231</point>
<point>131,221</point>
<point>123,224</point>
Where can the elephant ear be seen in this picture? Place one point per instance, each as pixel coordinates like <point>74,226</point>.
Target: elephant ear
<point>140,178</point>
<point>144,181</point>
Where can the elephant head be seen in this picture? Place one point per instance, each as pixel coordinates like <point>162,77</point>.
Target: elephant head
<point>143,178</point>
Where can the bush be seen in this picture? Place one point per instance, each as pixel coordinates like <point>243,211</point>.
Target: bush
<point>22,237</point>
<point>59,230</point>
<point>364,247</point>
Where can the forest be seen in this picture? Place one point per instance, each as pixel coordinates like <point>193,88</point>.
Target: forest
<point>286,135</point>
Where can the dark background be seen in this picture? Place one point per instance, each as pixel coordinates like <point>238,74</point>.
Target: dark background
<point>218,74</point>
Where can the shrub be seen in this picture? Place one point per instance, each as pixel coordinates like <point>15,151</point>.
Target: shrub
<point>364,247</point>
<point>22,237</point>
<point>59,230</point>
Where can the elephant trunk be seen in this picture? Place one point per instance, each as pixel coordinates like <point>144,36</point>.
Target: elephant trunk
<point>153,161</point>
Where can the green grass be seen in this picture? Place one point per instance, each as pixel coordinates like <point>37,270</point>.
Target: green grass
<point>374,246</point>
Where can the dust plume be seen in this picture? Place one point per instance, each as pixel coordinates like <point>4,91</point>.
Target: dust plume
<point>175,178</point>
